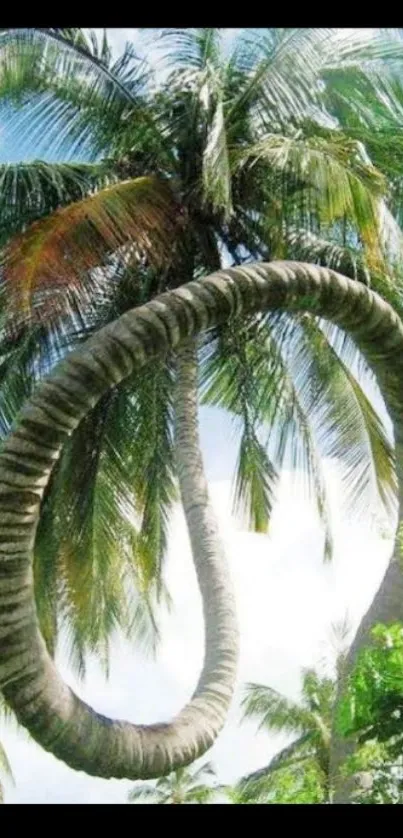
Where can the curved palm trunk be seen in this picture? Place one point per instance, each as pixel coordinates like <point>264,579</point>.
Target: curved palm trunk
<point>212,571</point>
<point>53,714</point>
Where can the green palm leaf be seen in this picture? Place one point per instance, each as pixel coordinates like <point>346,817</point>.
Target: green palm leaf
<point>216,167</point>
<point>103,527</point>
<point>301,781</point>
<point>283,89</point>
<point>274,711</point>
<point>229,369</point>
<point>355,427</point>
<point>181,786</point>
<point>142,793</point>
<point>189,48</point>
<point>75,91</point>
<point>256,787</point>
<point>309,720</point>
<point>29,191</point>
<point>341,183</point>
<point>255,481</point>
<point>348,260</point>
<point>151,462</point>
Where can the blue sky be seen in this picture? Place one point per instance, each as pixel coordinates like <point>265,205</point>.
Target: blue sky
<point>286,598</point>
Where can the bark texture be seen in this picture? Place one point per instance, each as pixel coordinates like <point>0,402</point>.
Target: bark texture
<point>212,571</point>
<point>43,703</point>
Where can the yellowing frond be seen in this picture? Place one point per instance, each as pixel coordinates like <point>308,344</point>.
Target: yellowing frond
<point>138,214</point>
<point>341,183</point>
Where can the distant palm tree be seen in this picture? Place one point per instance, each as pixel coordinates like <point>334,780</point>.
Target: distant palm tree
<point>310,720</point>
<point>182,786</point>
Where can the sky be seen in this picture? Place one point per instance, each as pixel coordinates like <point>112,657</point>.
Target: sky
<point>286,597</point>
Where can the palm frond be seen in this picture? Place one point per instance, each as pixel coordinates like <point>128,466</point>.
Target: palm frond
<point>308,247</point>
<point>151,464</point>
<point>367,94</point>
<point>197,92</point>
<point>318,692</point>
<point>300,782</point>
<point>284,68</point>
<point>216,167</point>
<point>229,369</point>
<point>295,435</point>
<point>296,754</point>
<point>343,252</point>
<point>348,426</point>
<point>294,62</point>
<point>274,711</point>
<point>256,385</point>
<point>141,793</point>
<point>75,91</point>
<point>85,43</point>
<point>281,68</point>
<point>29,191</point>
<point>189,48</point>
<point>84,534</point>
<point>62,248</point>
<point>313,406</point>
<point>342,185</point>
<point>256,478</point>
<point>181,786</point>
<point>132,528</point>
<point>103,527</point>
<point>200,794</point>
<point>16,377</point>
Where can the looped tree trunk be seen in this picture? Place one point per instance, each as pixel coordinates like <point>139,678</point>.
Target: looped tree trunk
<point>43,703</point>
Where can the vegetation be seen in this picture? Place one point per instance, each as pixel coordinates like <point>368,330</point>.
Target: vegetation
<point>229,159</point>
<point>52,713</point>
<point>299,772</point>
<point>371,710</point>
<point>290,785</point>
<point>262,154</point>
<point>182,786</point>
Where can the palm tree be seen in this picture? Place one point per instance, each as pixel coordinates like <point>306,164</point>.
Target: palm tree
<point>282,187</point>
<point>52,713</point>
<point>182,786</point>
<point>305,763</point>
<point>191,169</point>
<point>309,720</point>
